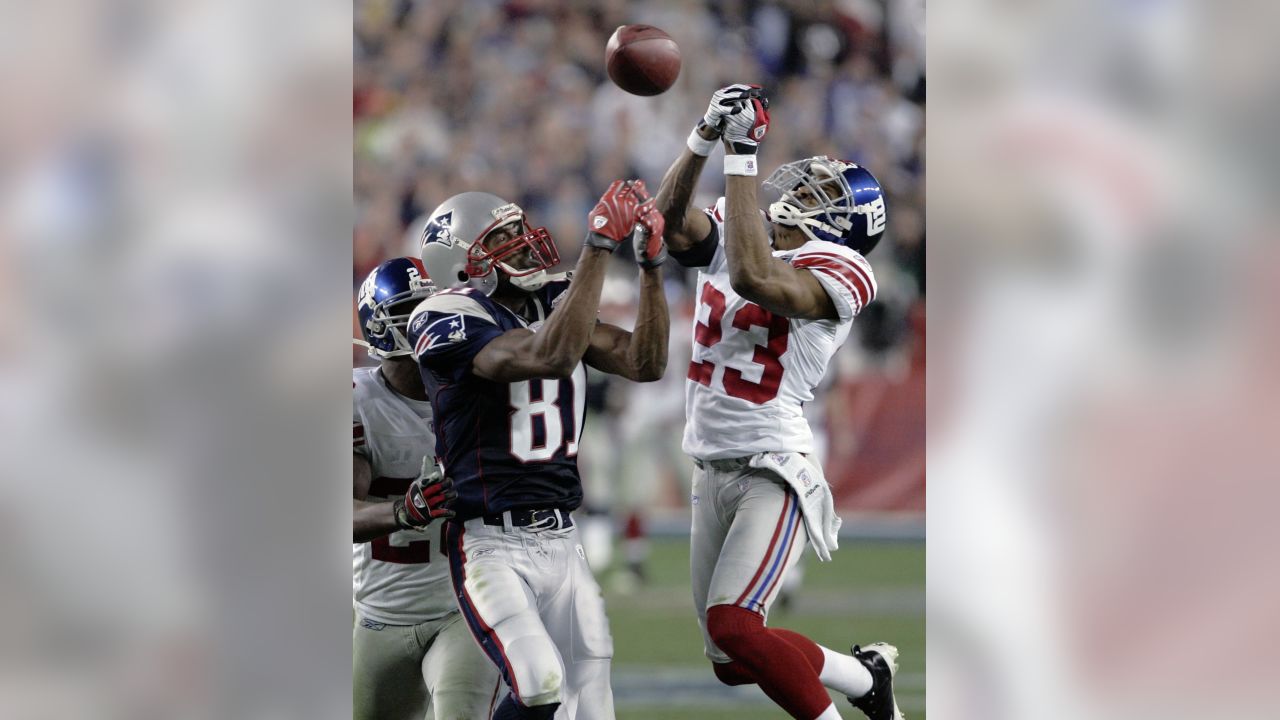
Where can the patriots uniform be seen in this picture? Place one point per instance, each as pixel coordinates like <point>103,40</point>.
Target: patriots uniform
<point>752,371</point>
<point>507,446</point>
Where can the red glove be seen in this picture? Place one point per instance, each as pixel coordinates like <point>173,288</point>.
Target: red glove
<point>613,218</point>
<point>650,249</point>
<point>428,498</point>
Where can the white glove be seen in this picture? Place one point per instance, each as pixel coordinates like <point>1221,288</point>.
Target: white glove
<point>727,101</point>
<point>817,506</point>
<point>745,128</point>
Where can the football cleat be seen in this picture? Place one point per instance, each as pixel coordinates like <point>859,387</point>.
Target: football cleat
<point>881,659</point>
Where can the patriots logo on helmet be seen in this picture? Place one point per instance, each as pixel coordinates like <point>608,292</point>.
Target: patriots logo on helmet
<point>439,230</point>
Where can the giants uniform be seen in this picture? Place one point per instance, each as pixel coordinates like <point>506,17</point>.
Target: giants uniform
<point>518,569</point>
<point>751,373</point>
<point>409,640</point>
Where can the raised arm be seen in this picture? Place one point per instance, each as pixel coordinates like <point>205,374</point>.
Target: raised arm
<point>558,346</point>
<point>688,226</point>
<point>754,273</point>
<point>641,355</point>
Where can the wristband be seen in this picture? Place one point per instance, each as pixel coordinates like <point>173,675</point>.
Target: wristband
<point>740,165</point>
<point>699,145</point>
<point>596,240</point>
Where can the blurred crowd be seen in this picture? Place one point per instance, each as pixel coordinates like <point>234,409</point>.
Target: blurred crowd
<point>512,98</point>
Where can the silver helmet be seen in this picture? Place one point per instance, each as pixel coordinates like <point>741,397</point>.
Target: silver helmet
<point>454,254</point>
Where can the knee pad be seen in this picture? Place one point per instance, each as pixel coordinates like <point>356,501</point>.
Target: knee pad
<point>733,629</point>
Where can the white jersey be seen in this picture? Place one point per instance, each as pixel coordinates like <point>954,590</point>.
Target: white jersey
<point>401,578</point>
<point>752,371</point>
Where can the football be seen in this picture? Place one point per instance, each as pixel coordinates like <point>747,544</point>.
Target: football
<point>642,59</point>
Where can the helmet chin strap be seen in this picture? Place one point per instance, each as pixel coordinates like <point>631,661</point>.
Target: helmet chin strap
<point>784,213</point>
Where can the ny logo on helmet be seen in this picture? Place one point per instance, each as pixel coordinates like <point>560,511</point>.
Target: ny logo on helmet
<point>367,290</point>
<point>875,213</point>
<point>439,230</point>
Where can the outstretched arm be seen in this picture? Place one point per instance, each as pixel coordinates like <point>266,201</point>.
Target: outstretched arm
<point>557,348</point>
<point>686,226</point>
<point>641,355</point>
<point>754,273</point>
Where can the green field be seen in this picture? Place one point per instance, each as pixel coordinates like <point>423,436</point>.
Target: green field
<point>869,592</point>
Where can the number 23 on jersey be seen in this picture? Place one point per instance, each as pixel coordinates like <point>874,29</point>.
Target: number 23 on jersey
<point>767,356</point>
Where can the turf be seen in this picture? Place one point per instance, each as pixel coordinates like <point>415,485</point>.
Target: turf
<point>869,592</point>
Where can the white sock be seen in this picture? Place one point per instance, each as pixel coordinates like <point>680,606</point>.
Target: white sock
<point>844,674</point>
<point>829,714</point>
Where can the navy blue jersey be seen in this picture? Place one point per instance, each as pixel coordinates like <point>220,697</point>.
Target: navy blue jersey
<point>507,446</point>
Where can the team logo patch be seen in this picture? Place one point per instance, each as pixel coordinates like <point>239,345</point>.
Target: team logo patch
<point>443,331</point>
<point>875,213</point>
<point>439,230</point>
<point>367,291</point>
<point>418,323</point>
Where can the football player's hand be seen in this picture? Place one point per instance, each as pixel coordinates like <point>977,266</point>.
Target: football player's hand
<point>727,101</point>
<point>428,498</point>
<point>745,129</point>
<point>650,249</point>
<point>610,222</point>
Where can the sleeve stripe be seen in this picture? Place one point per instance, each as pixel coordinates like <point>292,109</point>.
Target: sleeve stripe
<point>841,280</point>
<point>856,284</point>
<point>357,434</point>
<point>868,279</point>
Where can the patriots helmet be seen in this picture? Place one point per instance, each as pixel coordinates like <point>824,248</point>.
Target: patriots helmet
<point>384,303</point>
<point>454,252</point>
<point>828,199</point>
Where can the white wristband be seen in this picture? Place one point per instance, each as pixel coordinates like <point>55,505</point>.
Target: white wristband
<point>740,165</point>
<point>700,145</point>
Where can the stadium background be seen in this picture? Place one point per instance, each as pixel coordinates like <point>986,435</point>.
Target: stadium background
<point>511,97</point>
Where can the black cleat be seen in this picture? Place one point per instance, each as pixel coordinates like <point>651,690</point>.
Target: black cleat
<point>882,660</point>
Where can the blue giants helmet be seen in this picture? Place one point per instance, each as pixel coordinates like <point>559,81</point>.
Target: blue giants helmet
<point>386,299</point>
<point>830,200</point>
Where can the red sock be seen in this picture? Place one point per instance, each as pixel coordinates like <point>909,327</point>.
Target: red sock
<point>783,671</point>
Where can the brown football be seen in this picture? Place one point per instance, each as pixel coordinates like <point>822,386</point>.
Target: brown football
<point>642,59</point>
